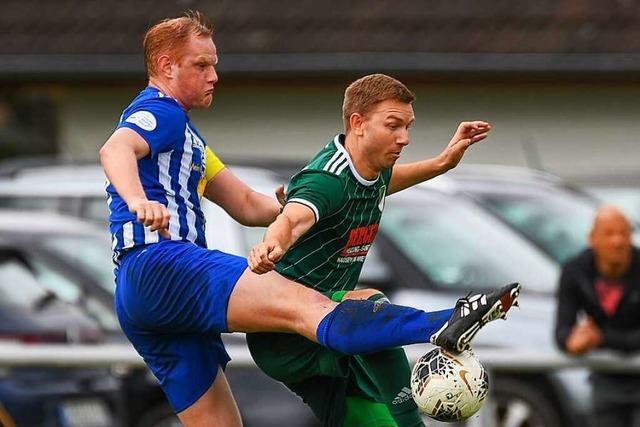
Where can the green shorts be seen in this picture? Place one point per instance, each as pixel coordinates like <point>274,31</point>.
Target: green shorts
<point>323,378</point>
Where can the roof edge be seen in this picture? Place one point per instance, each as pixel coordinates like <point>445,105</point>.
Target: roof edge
<point>89,67</point>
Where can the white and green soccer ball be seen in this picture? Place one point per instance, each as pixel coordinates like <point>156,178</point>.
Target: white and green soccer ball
<point>449,387</point>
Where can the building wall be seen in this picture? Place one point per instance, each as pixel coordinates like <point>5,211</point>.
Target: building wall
<point>567,129</point>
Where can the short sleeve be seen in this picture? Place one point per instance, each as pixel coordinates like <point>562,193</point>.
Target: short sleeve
<point>159,122</point>
<point>322,192</point>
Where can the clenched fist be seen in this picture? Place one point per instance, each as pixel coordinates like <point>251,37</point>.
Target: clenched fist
<point>152,214</point>
<point>263,257</point>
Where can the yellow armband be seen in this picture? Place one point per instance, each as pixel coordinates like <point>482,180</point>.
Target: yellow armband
<point>213,167</point>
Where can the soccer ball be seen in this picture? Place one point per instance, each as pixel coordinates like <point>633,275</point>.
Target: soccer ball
<point>449,387</point>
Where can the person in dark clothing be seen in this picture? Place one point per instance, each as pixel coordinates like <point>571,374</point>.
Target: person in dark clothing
<point>599,308</point>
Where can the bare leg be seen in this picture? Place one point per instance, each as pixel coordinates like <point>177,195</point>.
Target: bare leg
<point>216,407</point>
<point>361,294</point>
<point>271,303</point>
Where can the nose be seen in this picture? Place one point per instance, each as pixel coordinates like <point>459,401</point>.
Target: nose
<point>212,76</point>
<point>403,138</point>
<point>621,239</point>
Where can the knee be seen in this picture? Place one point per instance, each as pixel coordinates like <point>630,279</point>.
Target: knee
<point>312,307</point>
<point>313,301</point>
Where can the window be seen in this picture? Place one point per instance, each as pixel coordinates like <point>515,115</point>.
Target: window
<point>30,203</point>
<point>18,284</point>
<point>71,292</point>
<point>558,223</point>
<point>90,253</point>
<point>458,246</point>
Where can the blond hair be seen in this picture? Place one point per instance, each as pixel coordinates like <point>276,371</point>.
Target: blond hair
<point>363,94</point>
<point>169,35</point>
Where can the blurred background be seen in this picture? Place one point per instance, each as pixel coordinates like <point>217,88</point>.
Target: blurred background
<point>558,80</point>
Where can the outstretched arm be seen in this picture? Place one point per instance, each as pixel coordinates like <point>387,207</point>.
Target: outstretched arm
<point>119,157</point>
<point>295,220</point>
<point>407,175</point>
<point>241,202</point>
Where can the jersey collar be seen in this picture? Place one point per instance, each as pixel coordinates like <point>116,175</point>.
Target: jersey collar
<point>339,143</point>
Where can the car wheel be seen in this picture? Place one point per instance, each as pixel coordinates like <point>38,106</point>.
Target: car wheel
<point>159,416</point>
<point>519,404</point>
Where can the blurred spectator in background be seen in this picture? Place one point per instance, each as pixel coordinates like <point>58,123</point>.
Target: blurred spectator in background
<point>599,307</point>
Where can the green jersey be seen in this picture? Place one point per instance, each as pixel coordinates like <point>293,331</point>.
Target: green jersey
<point>347,210</point>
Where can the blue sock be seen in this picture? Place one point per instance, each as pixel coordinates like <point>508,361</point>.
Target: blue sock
<point>360,326</point>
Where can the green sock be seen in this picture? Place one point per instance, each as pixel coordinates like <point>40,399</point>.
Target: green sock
<point>338,295</point>
<point>362,412</point>
<point>390,371</point>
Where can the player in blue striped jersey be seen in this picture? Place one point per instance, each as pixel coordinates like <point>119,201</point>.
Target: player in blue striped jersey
<point>175,162</point>
<point>174,297</point>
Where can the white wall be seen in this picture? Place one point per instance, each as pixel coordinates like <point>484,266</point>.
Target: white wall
<point>574,129</point>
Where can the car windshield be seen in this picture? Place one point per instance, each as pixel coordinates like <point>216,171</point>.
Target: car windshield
<point>457,245</point>
<point>95,209</point>
<point>18,285</point>
<point>90,253</point>
<point>70,291</point>
<point>556,221</point>
<point>51,204</point>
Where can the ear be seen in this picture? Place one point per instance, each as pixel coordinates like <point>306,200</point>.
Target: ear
<point>165,66</point>
<point>355,123</point>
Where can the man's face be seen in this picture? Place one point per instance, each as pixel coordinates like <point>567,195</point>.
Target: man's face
<point>611,239</point>
<point>385,132</point>
<point>194,74</point>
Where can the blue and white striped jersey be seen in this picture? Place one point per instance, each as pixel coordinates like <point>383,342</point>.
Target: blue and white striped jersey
<point>169,174</point>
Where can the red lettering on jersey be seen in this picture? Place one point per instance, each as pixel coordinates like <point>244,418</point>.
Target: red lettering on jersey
<point>352,239</point>
<point>361,236</point>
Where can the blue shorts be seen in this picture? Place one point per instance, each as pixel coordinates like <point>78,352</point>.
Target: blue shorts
<point>171,300</point>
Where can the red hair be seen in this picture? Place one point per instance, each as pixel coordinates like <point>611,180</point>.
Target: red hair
<point>169,35</point>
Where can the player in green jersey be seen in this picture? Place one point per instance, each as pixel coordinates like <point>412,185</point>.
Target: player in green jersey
<point>321,239</point>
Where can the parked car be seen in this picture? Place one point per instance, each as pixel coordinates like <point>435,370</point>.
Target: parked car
<point>539,206</point>
<point>31,314</point>
<point>433,247</point>
<point>72,261</point>
<point>77,190</point>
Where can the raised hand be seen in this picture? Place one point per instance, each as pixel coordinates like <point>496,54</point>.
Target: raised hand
<point>467,134</point>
